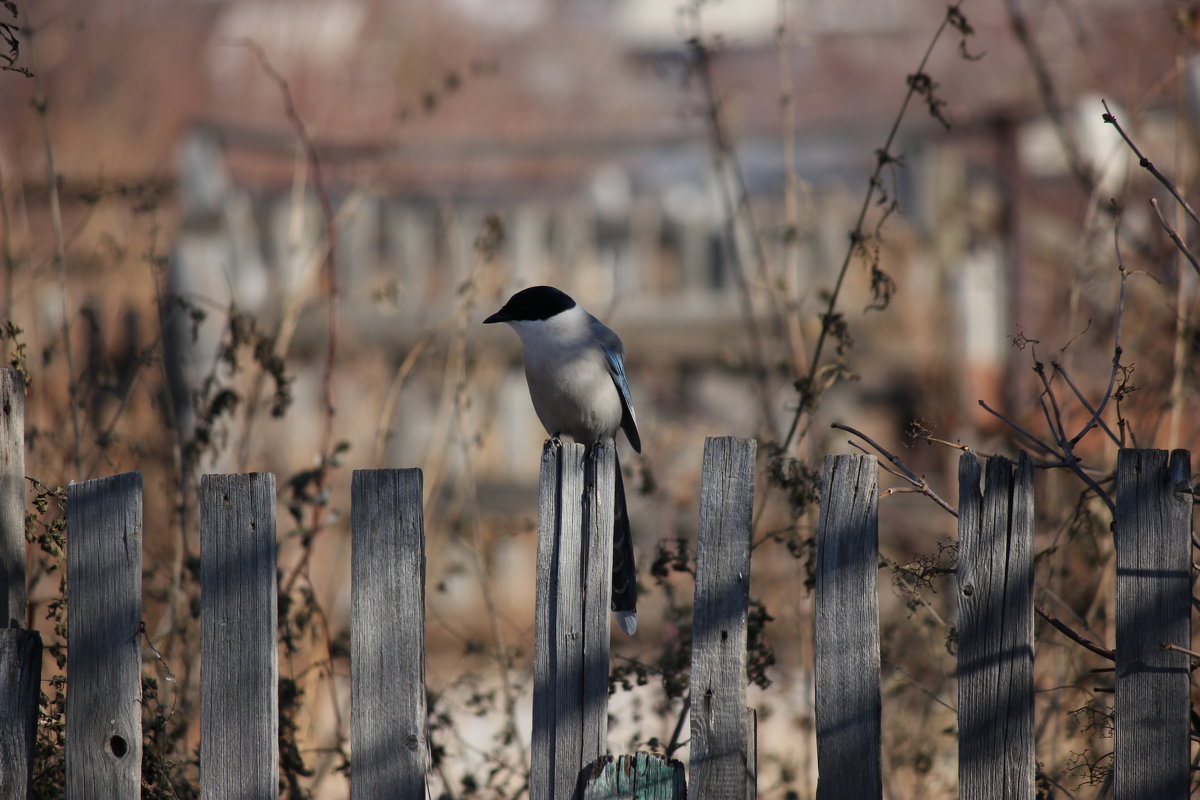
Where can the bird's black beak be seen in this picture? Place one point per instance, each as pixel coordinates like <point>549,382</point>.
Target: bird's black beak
<point>499,316</point>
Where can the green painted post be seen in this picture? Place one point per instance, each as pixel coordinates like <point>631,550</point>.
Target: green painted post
<point>642,776</point>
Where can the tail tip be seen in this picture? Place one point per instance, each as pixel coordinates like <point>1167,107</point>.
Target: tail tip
<point>626,621</point>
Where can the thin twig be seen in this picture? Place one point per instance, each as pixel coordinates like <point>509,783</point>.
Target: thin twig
<point>1179,243</point>
<point>332,298</point>
<point>1061,370</point>
<point>725,163</point>
<point>1147,164</point>
<point>41,105</point>
<point>919,484</point>
<point>1029,437</point>
<point>1071,634</point>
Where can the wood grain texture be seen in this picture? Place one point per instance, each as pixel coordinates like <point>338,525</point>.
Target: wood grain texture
<point>20,671</point>
<point>388,740</point>
<point>719,757</point>
<point>641,776</point>
<point>574,589</point>
<point>846,631</point>
<point>104,614</point>
<point>598,507</point>
<point>239,664</point>
<point>1152,538</point>
<point>12,499</point>
<point>995,630</point>
<point>558,646</point>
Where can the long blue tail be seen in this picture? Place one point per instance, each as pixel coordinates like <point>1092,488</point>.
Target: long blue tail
<point>624,572</point>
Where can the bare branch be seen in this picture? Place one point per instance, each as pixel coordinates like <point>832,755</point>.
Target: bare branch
<point>1148,165</point>
<point>919,484</point>
<point>1179,243</point>
<point>1071,634</point>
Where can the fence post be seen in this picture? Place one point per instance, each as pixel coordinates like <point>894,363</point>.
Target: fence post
<point>574,584</point>
<point>387,629</point>
<point>20,650</point>
<point>1152,537</point>
<point>239,662</point>
<point>104,617</point>
<point>721,763</point>
<point>995,630</point>
<point>846,631</point>
<point>12,499</point>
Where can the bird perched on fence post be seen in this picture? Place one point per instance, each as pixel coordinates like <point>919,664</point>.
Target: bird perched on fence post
<point>575,369</point>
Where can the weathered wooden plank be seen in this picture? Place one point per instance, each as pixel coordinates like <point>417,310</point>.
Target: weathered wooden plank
<point>558,644</point>
<point>239,663</point>
<point>20,671</point>
<point>598,506</point>
<point>846,631</point>
<point>104,685</point>
<point>387,635</point>
<point>641,776</point>
<point>995,630</point>
<point>12,499</point>
<point>1152,538</point>
<point>719,757</point>
<point>750,724</point>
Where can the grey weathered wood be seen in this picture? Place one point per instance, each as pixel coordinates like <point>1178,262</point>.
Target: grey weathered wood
<point>387,635</point>
<point>641,776</point>
<point>995,630</point>
<point>719,760</point>
<point>239,664</point>
<point>20,670</point>
<point>1152,538</point>
<point>750,725</point>
<point>598,507</point>
<point>846,631</point>
<point>574,584</point>
<point>12,499</point>
<point>104,614</point>
<point>558,651</point>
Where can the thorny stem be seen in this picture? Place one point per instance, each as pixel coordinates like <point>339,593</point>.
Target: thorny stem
<point>806,387</point>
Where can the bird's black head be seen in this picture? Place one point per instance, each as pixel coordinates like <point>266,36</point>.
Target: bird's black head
<point>534,303</point>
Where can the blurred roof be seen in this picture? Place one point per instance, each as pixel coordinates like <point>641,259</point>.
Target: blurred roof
<point>446,93</point>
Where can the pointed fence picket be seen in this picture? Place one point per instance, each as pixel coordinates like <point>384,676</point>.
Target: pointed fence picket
<point>239,672</point>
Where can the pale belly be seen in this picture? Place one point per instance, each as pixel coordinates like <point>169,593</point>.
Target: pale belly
<point>581,402</point>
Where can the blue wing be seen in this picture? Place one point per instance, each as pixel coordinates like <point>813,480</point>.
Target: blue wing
<point>614,354</point>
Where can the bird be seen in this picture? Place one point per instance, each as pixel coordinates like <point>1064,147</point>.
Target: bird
<point>575,370</point>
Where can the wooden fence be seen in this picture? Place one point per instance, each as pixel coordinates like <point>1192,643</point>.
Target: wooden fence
<point>389,749</point>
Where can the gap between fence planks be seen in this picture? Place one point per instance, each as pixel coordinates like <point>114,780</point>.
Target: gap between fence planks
<point>239,655</point>
<point>574,586</point>
<point>387,645</point>
<point>1154,572</point>
<point>723,761</point>
<point>995,630</point>
<point>104,615</point>
<point>846,631</point>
